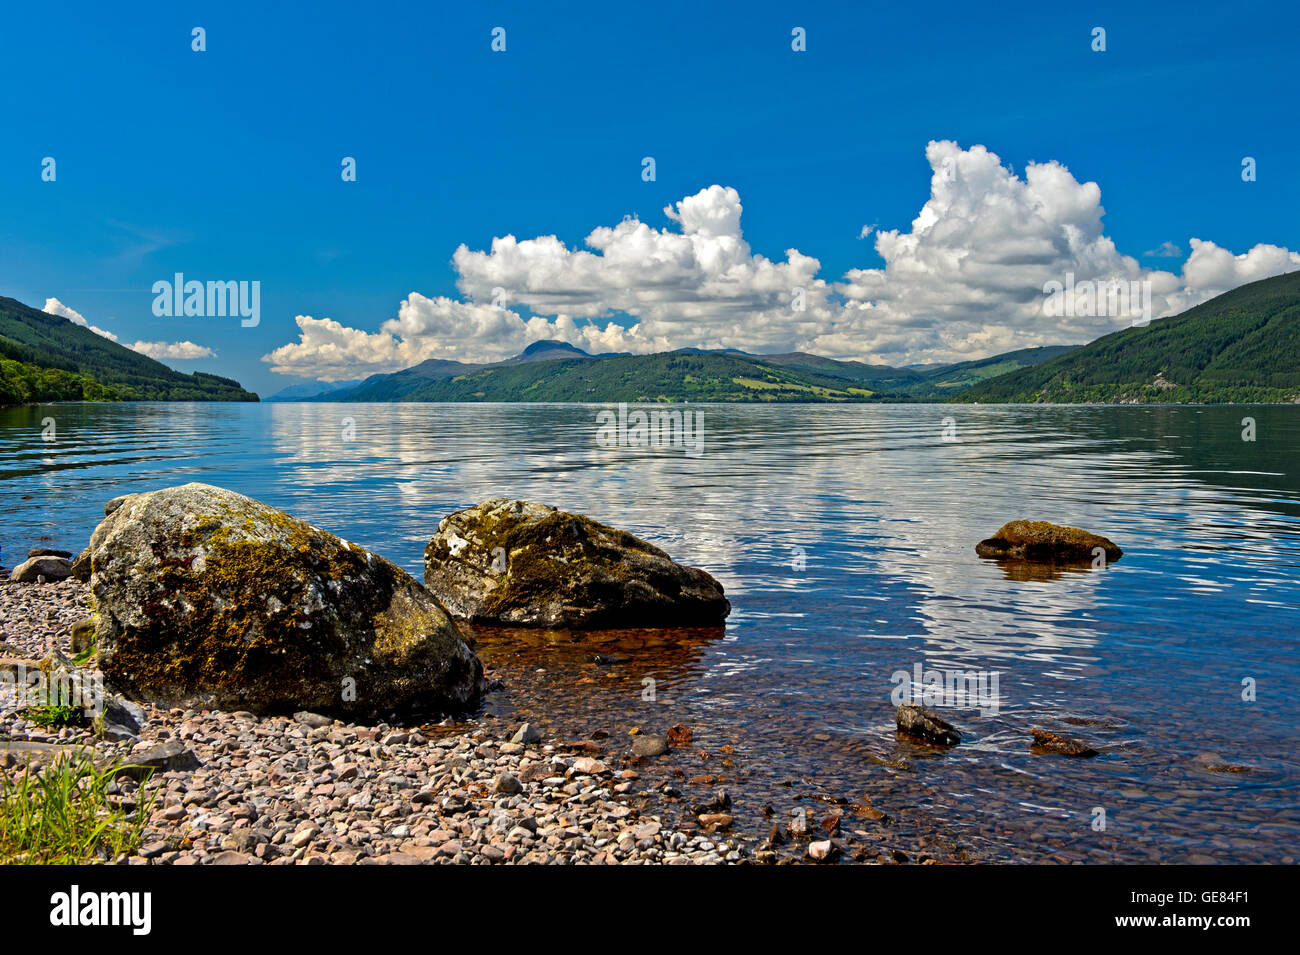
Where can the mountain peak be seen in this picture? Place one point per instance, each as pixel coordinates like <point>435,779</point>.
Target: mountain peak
<point>550,345</point>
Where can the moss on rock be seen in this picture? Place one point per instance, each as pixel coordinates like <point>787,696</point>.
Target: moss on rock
<point>1044,541</point>
<point>204,594</point>
<point>527,564</point>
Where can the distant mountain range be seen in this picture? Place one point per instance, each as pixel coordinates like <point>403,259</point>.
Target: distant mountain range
<point>45,357</point>
<point>1241,346</point>
<point>312,389</point>
<point>556,371</point>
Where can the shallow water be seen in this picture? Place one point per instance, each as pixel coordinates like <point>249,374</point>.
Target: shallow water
<point>845,539</point>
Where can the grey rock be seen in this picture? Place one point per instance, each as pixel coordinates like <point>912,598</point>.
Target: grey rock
<point>507,785</point>
<point>207,597</point>
<point>51,568</point>
<point>528,733</point>
<point>314,720</point>
<point>121,719</point>
<point>231,857</point>
<point>1045,742</point>
<point>526,564</point>
<point>49,552</point>
<point>649,744</point>
<point>820,851</point>
<point>169,757</point>
<point>80,568</point>
<point>925,724</point>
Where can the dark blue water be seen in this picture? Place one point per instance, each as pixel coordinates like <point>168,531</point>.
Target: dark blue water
<point>845,539</point>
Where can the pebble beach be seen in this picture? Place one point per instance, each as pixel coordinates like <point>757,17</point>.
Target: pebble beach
<point>305,789</point>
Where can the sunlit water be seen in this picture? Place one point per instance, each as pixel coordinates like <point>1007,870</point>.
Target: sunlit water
<point>845,539</point>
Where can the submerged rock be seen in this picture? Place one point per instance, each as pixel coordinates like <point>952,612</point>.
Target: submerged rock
<point>649,744</point>
<point>1215,763</point>
<point>50,568</point>
<point>1041,540</point>
<point>203,595</point>
<point>1045,742</point>
<point>925,724</point>
<point>525,564</point>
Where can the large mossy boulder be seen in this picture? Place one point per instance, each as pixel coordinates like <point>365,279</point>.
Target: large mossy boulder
<point>1043,541</point>
<point>202,595</point>
<point>517,563</point>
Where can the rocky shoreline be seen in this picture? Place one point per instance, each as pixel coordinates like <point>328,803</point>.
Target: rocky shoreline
<point>279,682</point>
<point>306,789</point>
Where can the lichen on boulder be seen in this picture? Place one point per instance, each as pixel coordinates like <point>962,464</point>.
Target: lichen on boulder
<point>1044,541</point>
<point>518,563</point>
<point>203,595</point>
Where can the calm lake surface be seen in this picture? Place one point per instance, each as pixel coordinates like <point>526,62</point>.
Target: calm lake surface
<point>845,539</point>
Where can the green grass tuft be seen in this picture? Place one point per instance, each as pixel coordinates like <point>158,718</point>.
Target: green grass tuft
<point>63,814</point>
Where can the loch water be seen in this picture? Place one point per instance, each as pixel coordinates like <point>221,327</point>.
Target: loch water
<point>845,538</point>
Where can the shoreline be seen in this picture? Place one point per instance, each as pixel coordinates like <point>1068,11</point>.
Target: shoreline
<point>306,789</point>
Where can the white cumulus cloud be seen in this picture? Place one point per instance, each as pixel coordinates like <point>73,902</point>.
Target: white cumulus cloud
<point>964,281</point>
<point>174,350</point>
<point>54,307</point>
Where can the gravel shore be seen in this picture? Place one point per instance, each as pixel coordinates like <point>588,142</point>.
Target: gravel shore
<point>305,789</point>
<point>310,790</point>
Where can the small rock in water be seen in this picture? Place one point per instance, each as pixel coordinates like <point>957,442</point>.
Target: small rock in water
<point>649,744</point>
<point>719,801</point>
<point>1217,764</point>
<point>820,851</point>
<point>715,820</point>
<point>1041,540</point>
<point>1063,746</point>
<point>927,725</point>
<point>680,735</point>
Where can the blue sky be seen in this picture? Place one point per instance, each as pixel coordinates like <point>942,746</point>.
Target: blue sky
<point>225,164</point>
